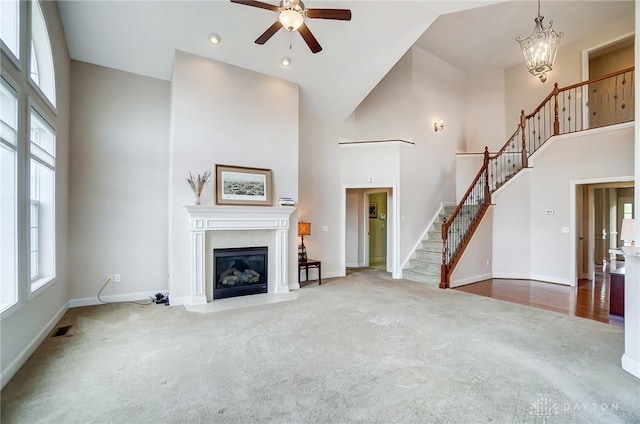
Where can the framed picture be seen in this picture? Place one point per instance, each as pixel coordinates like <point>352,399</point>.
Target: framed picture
<point>239,185</point>
<point>373,210</point>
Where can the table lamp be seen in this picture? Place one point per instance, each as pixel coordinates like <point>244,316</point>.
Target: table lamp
<point>304,229</point>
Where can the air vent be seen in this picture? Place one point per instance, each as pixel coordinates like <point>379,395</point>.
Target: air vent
<point>61,331</point>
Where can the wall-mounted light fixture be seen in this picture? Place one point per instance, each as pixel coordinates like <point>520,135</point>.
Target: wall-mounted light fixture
<point>215,38</point>
<point>438,126</point>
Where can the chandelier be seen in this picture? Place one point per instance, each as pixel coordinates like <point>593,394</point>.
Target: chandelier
<point>540,48</point>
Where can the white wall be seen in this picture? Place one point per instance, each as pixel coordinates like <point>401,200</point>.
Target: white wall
<point>475,264</point>
<point>386,113</point>
<point>603,154</point>
<point>354,255</point>
<point>467,167</point>
<point>221,114</point>
<point>512,228</point>
<point>428,174</point>
<point>119,177</point>
<point>528,243</point>
<point>29,322</point>
<point>485,112</point>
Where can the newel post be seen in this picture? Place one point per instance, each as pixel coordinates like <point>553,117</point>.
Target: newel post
<point>444,274</point>
<point>556,121</point>
<point>485,165</point>
<point>523,125</point>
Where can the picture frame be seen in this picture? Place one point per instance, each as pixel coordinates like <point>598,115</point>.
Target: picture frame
<point>241,185</point>
<point>373,210</point>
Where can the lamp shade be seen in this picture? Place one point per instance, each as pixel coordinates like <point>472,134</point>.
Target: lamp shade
<point>304,228</point>
<point>628,230</point>
<point>291,19</point>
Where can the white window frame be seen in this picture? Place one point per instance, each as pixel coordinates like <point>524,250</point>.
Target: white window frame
<point>12,146</point>
<point>15,56</point>
<point>40,44</point>
<point>45,160</point>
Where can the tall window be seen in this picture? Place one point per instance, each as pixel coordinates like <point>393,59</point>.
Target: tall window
<point>41,70</point>
<point>10,25</point>
<point>42,195</point>
<point>8,195</point>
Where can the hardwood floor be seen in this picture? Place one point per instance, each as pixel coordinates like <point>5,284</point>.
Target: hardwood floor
<point>590,299</point>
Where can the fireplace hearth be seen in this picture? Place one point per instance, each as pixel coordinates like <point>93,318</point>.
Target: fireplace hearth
<point>240,271</point>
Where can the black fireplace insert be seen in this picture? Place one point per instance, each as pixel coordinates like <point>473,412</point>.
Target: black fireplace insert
<point>239,271</point>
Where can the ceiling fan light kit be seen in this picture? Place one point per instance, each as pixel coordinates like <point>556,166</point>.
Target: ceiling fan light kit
<point>292,15</point>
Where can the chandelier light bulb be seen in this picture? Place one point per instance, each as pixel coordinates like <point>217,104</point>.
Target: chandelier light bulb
<point>285,61</point>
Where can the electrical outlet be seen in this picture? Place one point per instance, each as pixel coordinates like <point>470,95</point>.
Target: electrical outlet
<point>116,278</point>
<point>110,278</point>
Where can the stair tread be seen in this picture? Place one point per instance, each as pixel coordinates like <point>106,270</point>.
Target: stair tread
<point>432,261</point>
<point>422,272</point>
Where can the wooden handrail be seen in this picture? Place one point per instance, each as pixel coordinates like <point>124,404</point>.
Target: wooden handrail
<point>592,81</point>
<point>447,267</point>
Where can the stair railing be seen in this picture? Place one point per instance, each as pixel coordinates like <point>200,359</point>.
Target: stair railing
<point>609,100</point>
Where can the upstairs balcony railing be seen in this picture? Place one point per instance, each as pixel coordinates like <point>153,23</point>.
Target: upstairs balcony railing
<point>599,102</point>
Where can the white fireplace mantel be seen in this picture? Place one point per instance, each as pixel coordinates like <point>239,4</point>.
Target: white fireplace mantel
<point>203,218</point>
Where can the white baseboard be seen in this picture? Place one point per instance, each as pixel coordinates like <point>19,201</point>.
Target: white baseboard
<point>21,359</point>
<point>469,280</point>
<point>630,365</point>
<point>128,297</point>
<point>537,277</point>
<point>294,285</point>
<point>511,275</point>
<point>179,301</point>
<point>353,265</point>
<point>552,279</point>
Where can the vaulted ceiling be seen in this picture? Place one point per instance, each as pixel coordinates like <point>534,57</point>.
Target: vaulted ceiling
<point>141,37</point>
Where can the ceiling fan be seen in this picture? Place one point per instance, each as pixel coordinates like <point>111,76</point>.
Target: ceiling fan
<point>291,16</point>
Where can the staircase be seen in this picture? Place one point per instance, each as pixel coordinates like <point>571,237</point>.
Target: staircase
<point>425,267</point>
<point>599,102</point>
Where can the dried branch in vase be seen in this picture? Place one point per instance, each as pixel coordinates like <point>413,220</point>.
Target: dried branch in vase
<point>198,182</point>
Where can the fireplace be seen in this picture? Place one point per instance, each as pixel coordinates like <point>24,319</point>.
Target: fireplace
<point>240,271</point>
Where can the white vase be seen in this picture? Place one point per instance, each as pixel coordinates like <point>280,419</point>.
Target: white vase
<point>197,200</point>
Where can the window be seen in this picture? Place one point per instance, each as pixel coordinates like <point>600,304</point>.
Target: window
<point>27,153</point>
<point>42,196</point>
<point>627,211</point>
<point>8,196</point>
<point>41,70</point>
<point>10,25</point>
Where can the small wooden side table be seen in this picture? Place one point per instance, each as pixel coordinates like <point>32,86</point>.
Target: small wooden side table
<point>616,292</point>
<point>310,263</point>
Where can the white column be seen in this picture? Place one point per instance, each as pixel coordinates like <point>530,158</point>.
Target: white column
<point>282,277</point>
<point>198,295</point>
<point>631,357</point>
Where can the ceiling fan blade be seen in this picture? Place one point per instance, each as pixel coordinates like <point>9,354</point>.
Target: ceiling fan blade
<point>338,14</point>
<point>259,4</point>
<point>269,33</point>
<point>309,38</point>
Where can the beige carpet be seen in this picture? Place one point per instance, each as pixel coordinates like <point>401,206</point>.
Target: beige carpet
<point>360,349</point>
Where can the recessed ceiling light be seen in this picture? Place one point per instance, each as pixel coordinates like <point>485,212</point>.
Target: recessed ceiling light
<point>215,38</point>
<point>285,61</point>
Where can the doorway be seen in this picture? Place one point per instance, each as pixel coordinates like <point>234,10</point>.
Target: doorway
<point>370,229</point>
<point>599,210</point>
